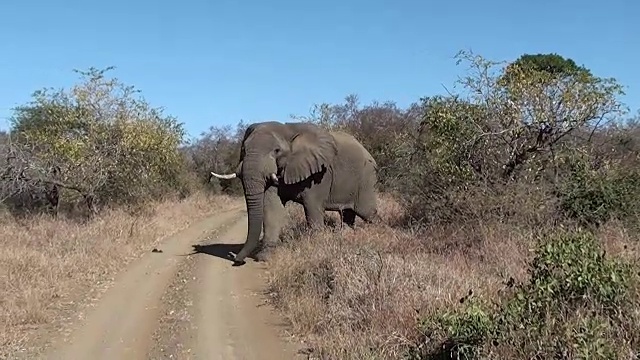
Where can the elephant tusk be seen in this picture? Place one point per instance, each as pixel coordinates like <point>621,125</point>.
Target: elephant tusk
<point>274,178</point>
<point>225,176</point>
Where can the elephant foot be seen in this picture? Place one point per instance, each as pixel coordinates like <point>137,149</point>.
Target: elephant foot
<point>232,256</point>
<point>261,256</point>
<point>314,229</point>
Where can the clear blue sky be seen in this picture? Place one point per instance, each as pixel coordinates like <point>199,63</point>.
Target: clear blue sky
<point>219,61</point>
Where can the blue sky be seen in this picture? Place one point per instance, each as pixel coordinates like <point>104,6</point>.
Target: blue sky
<point>216,62</point>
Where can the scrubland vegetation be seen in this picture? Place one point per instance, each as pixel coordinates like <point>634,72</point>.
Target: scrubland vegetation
<point>510,214</point>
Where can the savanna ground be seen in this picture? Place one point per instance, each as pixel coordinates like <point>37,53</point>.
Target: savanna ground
<point>509,216</point>
<point>387,293</point>
<point>50,267</point>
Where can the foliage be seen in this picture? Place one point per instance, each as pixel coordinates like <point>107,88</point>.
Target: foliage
<point>577,303</point>
<point>597,193</point>
<point>466,331</point>
<point>97,142</point>
<point>447,131</point>
<point>553,64</point>
<point>531,111</point>
<point>513,125</point>
<point>218,150</point>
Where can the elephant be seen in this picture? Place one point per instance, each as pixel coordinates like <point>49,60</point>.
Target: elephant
<point>302,163</point>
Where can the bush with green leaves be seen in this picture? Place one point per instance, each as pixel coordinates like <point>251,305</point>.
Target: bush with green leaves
<point>97,142</point>
<point>457,334</point>
<point>577,303</point>
<point>595,193</point>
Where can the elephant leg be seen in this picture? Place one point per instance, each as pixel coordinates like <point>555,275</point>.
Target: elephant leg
<point>314,215</point>
<point>274,217</point>
<point>367,206</point>
<point>349,217</point>
<point>272,210</point>
<point>370,216</point>
<point>367,202</point>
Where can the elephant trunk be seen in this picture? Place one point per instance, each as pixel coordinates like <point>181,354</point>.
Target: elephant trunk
<point>254,187</point>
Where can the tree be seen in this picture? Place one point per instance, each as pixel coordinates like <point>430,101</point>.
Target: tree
<point>106,144</point>
<point>218,149</point>
<point>552,64</point>
<point>535,102</point>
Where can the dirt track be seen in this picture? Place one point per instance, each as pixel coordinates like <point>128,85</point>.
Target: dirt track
<point>173,305</point>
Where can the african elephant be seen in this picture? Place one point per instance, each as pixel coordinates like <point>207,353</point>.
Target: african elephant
<point>303,163</point>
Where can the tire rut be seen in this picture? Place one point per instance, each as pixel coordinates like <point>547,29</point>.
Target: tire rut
<point>170,339</point>
<point>173,335</point>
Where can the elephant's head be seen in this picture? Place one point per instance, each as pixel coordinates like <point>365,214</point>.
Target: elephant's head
<point>276,154</point>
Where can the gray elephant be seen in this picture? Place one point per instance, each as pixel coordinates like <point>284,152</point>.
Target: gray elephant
<point>303,163</point>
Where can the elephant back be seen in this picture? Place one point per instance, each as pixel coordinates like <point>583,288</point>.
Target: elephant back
<point>348,143</point>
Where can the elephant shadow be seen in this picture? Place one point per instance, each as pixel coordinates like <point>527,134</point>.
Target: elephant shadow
<point>220,250</point>
<point>261,253</point>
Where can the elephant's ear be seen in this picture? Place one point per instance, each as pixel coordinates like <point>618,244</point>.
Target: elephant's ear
<point>310,149</point>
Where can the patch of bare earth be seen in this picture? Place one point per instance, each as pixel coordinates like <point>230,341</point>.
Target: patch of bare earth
<point>51,269</point>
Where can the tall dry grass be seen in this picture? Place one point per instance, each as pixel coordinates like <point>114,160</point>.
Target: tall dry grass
<point>359,293</point>
<point>48,266</point>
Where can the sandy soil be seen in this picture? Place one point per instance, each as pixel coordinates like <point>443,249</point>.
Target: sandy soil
<point>185,302</point>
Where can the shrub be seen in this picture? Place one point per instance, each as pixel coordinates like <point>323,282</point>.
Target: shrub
<point>95,143</point>
<point>466,331</point>
<point>594,195</point>
<point>577,303</point>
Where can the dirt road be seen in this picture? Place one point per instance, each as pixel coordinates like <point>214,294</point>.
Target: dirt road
<point>184,304</point>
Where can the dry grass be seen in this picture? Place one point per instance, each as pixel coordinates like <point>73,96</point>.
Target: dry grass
<point>48,265</point>
<point>357,293</point>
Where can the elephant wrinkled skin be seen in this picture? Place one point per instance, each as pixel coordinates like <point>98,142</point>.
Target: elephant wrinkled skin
<point>308,165</point>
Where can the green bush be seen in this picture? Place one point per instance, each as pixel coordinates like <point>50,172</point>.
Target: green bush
<point>97,143</point>
<point>595,195</point>
<point>577,303</point>
<point>461,333</point>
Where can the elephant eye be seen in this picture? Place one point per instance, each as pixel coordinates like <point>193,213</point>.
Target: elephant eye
<point>277,150</point>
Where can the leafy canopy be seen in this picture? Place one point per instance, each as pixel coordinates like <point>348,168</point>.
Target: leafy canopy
<point>107,142</point>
